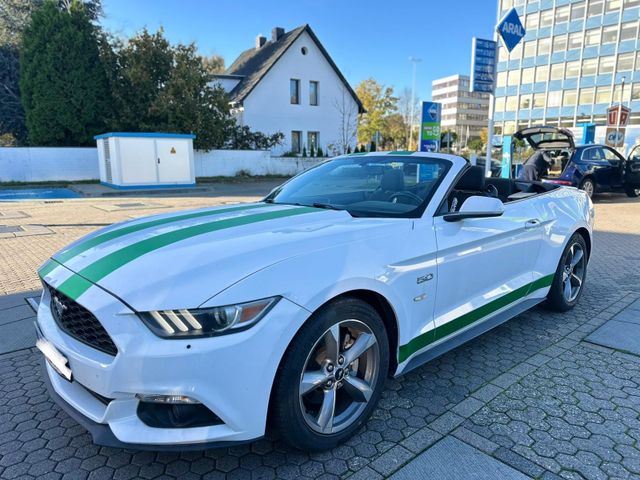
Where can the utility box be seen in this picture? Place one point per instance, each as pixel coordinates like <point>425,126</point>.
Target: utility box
<point>130,160</point>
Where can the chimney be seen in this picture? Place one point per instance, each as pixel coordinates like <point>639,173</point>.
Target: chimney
<point>260,41</point>
<point>277,33</point>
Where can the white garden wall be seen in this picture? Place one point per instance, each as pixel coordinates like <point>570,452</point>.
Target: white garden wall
<point>27,164</point>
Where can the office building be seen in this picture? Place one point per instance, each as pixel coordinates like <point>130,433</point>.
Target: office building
<point>569,69</point>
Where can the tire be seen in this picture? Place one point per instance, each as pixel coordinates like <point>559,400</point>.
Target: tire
<point>560,297</point>
<point>632,192</point>
<point>589,186</point>
<point>299,419</point>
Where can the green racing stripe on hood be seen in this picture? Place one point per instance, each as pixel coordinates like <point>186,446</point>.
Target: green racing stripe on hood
<point>113,234</point>
<point>74,287</point>
<point>427,338</point>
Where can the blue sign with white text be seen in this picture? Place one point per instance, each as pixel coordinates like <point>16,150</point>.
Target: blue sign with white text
<point>430,127</point>
<point>483,65</point>
<point>511,30</point>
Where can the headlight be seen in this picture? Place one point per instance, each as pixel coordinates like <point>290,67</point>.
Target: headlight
<point>207,322</point>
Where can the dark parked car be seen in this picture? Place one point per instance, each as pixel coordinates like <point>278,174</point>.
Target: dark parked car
<point>593,168</point>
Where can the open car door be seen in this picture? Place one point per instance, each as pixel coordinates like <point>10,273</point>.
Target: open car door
<point>632,174</point>
<point>546,138</point>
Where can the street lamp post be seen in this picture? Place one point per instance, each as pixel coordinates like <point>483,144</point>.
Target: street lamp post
<point>414,61</point>
<point>620,111</point>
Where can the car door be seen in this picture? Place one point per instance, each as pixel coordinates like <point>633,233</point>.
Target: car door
<point>599,167</point>
<point>484,265</point>
<point>617,163</point>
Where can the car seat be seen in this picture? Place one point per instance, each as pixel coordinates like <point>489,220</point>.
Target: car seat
<point>392,181</point>
<point>471,183</point>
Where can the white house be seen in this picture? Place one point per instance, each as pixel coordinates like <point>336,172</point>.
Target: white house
<point>289,84</point>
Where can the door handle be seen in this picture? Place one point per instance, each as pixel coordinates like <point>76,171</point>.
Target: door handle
<point>158,160</point>
<point>533,223</point>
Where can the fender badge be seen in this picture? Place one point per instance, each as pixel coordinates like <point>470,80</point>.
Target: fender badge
<point>425,278</point>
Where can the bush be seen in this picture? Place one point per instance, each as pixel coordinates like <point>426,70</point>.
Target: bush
<point>320,153</point>
<point>304,151</point>
<point>373,147</point>
<point>348,149</point>
<point>243,173</point>
<point>289,154</point>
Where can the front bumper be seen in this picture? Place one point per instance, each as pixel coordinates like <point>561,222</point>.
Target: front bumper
<point>231,375</point>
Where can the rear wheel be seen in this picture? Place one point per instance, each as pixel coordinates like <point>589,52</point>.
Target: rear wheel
<point>589,186</point>
<point>332,375</point>
<point>571,273</point>
<point>632,192</point>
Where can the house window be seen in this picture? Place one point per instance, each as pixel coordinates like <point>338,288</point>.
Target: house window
<point>313,93</point>
<point>296,138</point>
<point>313,140</point>
<point>294,87</point>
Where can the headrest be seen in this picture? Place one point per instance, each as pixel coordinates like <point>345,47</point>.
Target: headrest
<point>472,179</point>
<point>392,180</point>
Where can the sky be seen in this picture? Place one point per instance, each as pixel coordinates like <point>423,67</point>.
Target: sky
<point>365,39</point>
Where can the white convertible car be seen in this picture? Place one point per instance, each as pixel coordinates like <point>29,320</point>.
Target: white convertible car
<point>209,327</point>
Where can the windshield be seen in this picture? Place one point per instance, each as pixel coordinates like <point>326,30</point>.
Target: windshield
<point>374,186</point>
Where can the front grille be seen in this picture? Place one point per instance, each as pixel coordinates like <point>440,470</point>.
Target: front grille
<point>80,323</point>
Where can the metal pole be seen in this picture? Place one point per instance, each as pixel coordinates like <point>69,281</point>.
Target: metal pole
<point>492,99</point>
<point>414,61</point>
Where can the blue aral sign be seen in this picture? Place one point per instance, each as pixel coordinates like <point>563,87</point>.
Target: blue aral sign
<point>483,65</point>
<point>430,127</point>
<point>510,28</point>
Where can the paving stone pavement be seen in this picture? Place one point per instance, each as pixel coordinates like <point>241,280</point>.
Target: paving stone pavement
<point>531,394</point>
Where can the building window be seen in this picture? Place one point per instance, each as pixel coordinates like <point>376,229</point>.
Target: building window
<point>544,46</point>
<point>542,73</point>
<point>538,100</point>
<point>592,37</point>
<point>554,99</point>
<point>603,95</point>
<point>513,78</point>
<point>631,3</point>
<point>575,40</point>
<point>313,140</point>
<point>577,11</point>
<point>313,93</point>
<point>610,34</point>
<point>294,87</point>
<point>573,69</point>
<point>595,8</point>
<point>562,14</point>
<point>531,23</point>
<point>586,96</point>
<point>569,98</point>
<point>528,75</point>
<point>512,103</point>
<point>625,62</point>
<point>557,71</point>
<point>502,79</point>
<point>613,5</point>
<point>628,31</point>
<point>500,103</point>
<point>635,91</point>
<point>626,97</point>
<point>546,18</point>
<point>525,101</point>
<point>607,64</point>
<point>559,43</point>
<point>296,137</point>
<point>589,66</point>
<point>530,49</point>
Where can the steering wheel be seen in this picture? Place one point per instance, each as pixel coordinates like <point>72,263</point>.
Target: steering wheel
<point>411,196</point>
<point>492,191</point>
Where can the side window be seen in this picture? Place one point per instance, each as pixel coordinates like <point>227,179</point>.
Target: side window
<point>593,154</point>
<point>611,156</point>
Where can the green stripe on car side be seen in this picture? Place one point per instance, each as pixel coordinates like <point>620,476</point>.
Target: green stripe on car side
<point>102,267</point>
<point>113,234</point>
<point>421,341</point>
<point>47,268</point>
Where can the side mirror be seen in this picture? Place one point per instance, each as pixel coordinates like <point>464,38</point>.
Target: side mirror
<point>477,207</point>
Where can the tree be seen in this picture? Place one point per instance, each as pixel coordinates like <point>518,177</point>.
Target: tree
<point>348,119</point>
<point>12,126</point>
<point>484,136</point>
<point>379,102</point>
<point>319,152</point>
<point>213,64</point>
<point>63,84</point>
<point>476,145</point>
<point>404,109</point>
<point>395,130</point>
<point>242,138</point>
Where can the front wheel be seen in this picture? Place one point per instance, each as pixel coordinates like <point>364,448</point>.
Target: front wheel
<point>589,187</point>
<point>332,375</point>
<point>570,275</point>
<point>632,192</point>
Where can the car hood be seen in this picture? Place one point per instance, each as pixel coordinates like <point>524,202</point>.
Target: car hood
<point>180,260</point>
